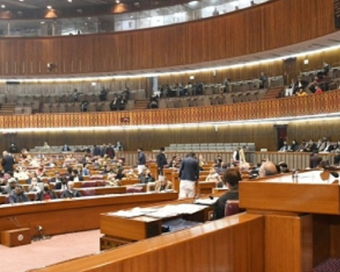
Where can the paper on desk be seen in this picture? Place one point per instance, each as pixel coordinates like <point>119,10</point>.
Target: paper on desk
<point>173,210</point>
<point>129,213</point>
<point>206,201</point>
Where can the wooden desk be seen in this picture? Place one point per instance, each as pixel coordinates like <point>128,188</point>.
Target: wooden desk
<point>142,227</point>
<point>70,215</point>
<point>206,187</point>
<point>302,219</point>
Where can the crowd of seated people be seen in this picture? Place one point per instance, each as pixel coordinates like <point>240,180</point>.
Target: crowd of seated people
<point>321,82</point>
<point>118,103</point>
<point>323,145</point>
<point>178,89</point>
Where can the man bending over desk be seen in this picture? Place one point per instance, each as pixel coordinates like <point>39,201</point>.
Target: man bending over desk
<point>231,179</point>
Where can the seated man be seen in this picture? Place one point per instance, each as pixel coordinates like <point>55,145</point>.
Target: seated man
<point>162,184</point>
<point>231,179</point>
<point>35,186</point>
<point>18,195</point>
<point>10,187</point>
<point>103,94</point>
<point>56,179</point>
<point>267,168</point>
<point>75,176</point>
<point>61,185</point>
<point>146,177</point>
<point>215,177</point>
<point>45,194</point>
<point>70,192</point>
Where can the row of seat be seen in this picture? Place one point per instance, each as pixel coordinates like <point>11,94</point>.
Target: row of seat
<point>210,147</point>
<point>63,98</point>
<point>68,107</point>
<point>220,99</point>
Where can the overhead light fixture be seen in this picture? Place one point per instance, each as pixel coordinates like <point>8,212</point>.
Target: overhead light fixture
<point>70,1</point>
<point>117,1</point>
<point>3,6</point>
<point>49,7</point>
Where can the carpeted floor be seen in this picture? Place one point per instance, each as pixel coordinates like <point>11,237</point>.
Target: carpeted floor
<point>330,265</point>
<point>41,253</point>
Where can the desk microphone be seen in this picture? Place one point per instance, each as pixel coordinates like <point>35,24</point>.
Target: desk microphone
<point>334,174</point>
<point>211,197</point>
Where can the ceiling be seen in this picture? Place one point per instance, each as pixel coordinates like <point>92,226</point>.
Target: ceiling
<point>41,4</point>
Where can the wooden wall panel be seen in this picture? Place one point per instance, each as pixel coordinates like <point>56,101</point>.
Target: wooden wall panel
<point>210,247</point>
<point>262,27</point>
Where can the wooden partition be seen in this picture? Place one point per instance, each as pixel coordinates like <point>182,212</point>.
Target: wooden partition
<point>210,247</point>
<point>70,215</point>
<point>286,107</point>
<point>302,219</point>
<point>196,42</point>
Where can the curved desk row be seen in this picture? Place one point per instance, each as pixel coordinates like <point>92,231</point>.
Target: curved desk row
<point>70,215</point>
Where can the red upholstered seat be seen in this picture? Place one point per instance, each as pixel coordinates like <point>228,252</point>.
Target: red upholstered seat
<point>232,207</point>
<point>91,183</point>
<point>88,192</point>
<point>134,189</point>
<point>97,177</point>
<point>100,183</point>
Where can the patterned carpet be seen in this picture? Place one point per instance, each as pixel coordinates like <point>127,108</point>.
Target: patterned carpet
<point>41,253</point>
<point>330,265</point>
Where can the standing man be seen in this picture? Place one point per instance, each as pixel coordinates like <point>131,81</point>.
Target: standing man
<point>141,160</point>
<point>161,160</point>
<point>189,174</point>
<point>7,162</point>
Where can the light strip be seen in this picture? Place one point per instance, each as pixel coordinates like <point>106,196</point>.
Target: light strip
<point>281,120</point>
<point>103,78</point>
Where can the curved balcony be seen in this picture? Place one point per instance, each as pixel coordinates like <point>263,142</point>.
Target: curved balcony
<point>285,109</point>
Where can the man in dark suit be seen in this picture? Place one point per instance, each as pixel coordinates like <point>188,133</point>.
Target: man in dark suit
<point>61,185</point>
<point>315,160</point>
<point>18,195</point>
<point>189,174</point>
<point>7,162</point>
<point>161,160</point>
<point>141,160</point>
<point>70,192</point>
<point>56,179</point>
<point>231,178</point>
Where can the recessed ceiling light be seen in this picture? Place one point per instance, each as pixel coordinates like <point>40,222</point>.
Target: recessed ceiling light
<point>3,6</point>
<point>42,23</point>
<point>117,1</point>
<point>70,1</point>
<point>21,0</point>
<point>49,7</point>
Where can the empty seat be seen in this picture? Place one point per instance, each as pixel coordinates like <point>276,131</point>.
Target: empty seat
<point>46,108</point>
<point>27,110</point>
<point>62,107</point>
<point>55,108</point>
<point>70,107</point>
<point>18,110</point>
<point>92,106</point>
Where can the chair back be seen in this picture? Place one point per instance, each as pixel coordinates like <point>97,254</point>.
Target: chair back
<point>232,207</point>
